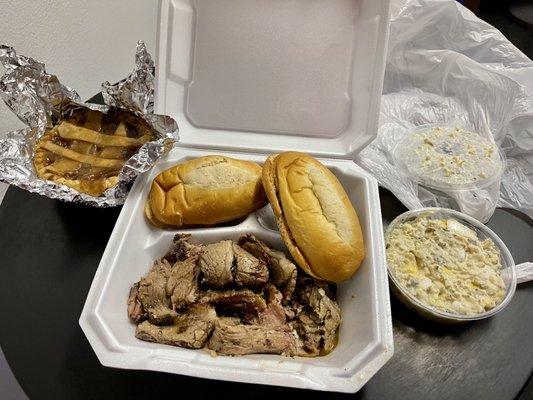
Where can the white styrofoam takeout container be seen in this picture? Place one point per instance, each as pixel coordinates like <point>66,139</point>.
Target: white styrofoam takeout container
<point>244,79</point>
<point>365,338</point>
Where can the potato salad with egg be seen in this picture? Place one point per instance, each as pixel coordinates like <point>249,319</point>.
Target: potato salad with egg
<point>443,264</point>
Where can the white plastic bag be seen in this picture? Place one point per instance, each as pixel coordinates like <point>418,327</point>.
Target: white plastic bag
<point>447,66</point>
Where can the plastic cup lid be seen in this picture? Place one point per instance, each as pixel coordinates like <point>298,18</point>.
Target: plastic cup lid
<point>449,158</point>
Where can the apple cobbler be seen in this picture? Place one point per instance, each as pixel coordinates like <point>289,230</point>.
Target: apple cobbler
<point>87,151</point>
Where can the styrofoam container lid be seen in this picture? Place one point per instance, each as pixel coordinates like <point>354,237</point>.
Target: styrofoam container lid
<point>261,75</point>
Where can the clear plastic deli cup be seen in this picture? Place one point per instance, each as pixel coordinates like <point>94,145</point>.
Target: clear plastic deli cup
<point>467,226</point>
<point>463,169</point>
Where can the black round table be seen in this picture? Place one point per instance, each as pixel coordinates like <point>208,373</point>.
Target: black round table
<point>49,252</point>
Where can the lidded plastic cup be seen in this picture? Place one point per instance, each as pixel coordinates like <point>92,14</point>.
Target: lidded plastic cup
<point>507,271</point>
<point>449,161</point>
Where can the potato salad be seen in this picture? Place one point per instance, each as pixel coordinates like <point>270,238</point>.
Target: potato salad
<point>444,265</point>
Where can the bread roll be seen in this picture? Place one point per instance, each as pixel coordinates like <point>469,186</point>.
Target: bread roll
<point>315,217</point>
<point>205,191</point>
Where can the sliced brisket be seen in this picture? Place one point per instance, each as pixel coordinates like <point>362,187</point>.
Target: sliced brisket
<point>216,264</point>
<point>249,271</point>
<point>282,271</point>
<point>248,339</point>
<point>136,311</point>
<point>152,293</point>
<point>191,328</point>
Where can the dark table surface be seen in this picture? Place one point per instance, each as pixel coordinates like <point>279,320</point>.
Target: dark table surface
<point>49,252</point>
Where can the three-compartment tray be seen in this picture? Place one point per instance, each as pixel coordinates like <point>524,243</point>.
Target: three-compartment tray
<point>365,337</point>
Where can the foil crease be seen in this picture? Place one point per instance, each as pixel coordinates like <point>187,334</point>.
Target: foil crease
<point>40,101</point>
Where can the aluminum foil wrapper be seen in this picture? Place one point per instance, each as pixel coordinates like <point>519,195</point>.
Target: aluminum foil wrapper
<point>41,101</point>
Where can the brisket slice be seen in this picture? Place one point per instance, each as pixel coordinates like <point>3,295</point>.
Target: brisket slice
<point>242,301</point>
<point>249,271</point>
<point>182,284</point>
<point>274,314</point>
<point>181,249</point>
<point>167,287</point>
<point>224,263</point>
<point>152,293</point>
<point>315,316</point>
<point>328,314</point>
<point>136,311</point>
<point>230,320</point>
<point>310,336</point>
<point>248,339</point>
<point>191,328</point>
<point>282,271</point>
<point>216,264</point>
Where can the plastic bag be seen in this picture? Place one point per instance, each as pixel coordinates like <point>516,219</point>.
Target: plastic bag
<point>446,66</point>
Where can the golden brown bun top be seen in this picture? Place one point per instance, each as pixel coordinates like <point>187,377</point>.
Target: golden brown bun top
<point>316,218</point>
<point>205,191</point>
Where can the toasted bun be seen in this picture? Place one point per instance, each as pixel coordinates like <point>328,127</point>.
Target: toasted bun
<point>205,191</point>
<point>315,217</point>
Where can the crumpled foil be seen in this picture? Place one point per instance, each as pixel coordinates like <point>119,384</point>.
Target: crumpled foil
<point>446,66</point>
<point>40,101</point>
